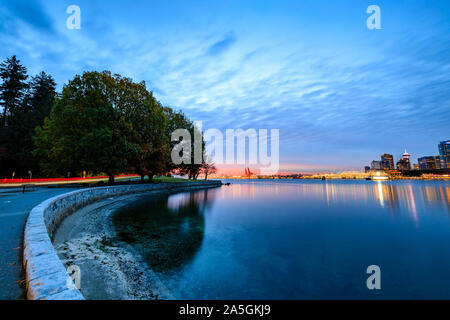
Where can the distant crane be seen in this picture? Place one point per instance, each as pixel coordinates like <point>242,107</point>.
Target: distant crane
<point>248,173</point>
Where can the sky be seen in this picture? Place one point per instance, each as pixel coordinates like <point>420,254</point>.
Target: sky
<point>340,94</point>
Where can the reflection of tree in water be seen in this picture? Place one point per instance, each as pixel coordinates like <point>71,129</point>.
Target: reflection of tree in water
<point>167,231</point>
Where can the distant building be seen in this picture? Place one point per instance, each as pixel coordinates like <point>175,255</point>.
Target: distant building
<point>406,155</point>
<point>375,165</point>
<point>437,162</point>
<point>444,152</point>
<point>366,169</point>
<point>403,163</point>
<point>427,163</point>
<point>416,166</point>
<point>387,162</point>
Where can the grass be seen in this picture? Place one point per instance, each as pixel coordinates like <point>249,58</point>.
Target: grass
<point>170,179</point>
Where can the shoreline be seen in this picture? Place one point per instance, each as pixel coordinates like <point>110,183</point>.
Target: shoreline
<point>110,268</point>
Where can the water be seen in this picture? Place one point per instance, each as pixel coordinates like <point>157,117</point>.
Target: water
<point>296,239</point>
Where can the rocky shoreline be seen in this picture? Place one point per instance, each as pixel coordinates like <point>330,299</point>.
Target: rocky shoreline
<point>110,269</point>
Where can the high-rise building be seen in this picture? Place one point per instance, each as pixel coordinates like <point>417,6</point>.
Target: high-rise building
<point>375,165</point>
<point>403,163</point>
<point>387,162</point>
<point>444,152</point>
<point>406,155</point>
<point>427,163</point>
<point>437,161</point>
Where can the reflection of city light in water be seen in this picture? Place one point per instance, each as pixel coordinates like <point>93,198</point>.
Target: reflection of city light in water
<point>396,197</point>
<point>412,203</point>
<point>380,193</point>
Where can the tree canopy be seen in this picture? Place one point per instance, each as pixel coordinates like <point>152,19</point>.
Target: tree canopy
<point>101,123</point>
<point>12,89</point>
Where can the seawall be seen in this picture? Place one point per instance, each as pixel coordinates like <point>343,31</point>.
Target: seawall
<point>46,276</point>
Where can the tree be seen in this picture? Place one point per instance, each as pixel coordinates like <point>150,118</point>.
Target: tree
<point>178,120</point>
<point>193,169</point>
<point>175,120</point>
<point>104,123</point>
<point>148,120</point>
<point>87,130</point>
<point>42,96</point>
<point>13,86</point>
<point>208,168</point>
<point>23,121</point>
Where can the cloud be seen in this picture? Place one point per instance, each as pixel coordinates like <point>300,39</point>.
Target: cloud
<point>30,12</point>
<point>222,45</point>
<point>350,100</point>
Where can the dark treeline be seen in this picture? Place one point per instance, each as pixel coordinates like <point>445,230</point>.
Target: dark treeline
<point>100,123</point>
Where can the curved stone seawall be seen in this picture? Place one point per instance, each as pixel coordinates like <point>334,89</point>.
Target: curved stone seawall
<point>46,276</point>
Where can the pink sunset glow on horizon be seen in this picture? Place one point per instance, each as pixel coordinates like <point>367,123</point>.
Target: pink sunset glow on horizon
<point>285,168</point>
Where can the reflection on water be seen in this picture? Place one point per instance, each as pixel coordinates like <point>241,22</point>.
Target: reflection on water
<point>392,195</point>
<point>297,239</point>
<point>167,231</point>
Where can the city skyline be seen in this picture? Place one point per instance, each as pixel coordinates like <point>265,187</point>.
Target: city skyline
<point>338,92</point>
<point>441,160</point>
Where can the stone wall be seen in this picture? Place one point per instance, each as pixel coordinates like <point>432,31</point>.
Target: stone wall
<point>46,276</point>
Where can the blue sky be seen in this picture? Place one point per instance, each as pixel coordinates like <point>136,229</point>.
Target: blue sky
<point>340,94</point>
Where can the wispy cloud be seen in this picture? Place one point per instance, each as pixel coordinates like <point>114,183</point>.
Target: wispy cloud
<point>222,45</point>
<point>30,12</point>
<point>353,95</point>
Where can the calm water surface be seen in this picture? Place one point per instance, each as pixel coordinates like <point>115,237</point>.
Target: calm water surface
<point>296,239</point>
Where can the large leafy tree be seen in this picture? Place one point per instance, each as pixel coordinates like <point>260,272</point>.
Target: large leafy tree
<point>175,120</point>
<point>193,169</point>
<point>104,123</point>
<point>13,85</point>
<point>178,120</point>
<point>148,124</point>
<point>86,130</point>
<point>153,141</point>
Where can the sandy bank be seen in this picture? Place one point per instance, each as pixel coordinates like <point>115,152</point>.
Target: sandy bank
<point>110,269</point>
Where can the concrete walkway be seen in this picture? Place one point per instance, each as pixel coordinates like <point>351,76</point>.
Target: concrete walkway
<point>62,182</point>
<point>14,209</point>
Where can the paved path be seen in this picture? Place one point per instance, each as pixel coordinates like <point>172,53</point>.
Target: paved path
<point>62,181</point>
<point>14,209</point>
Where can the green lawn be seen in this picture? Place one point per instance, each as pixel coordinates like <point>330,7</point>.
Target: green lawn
<point>171,179</point>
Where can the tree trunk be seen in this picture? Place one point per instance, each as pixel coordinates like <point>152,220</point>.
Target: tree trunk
<point>4,117</point>
<point>142,177</point>
<point>111,179</point>
<point>206,176</point>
